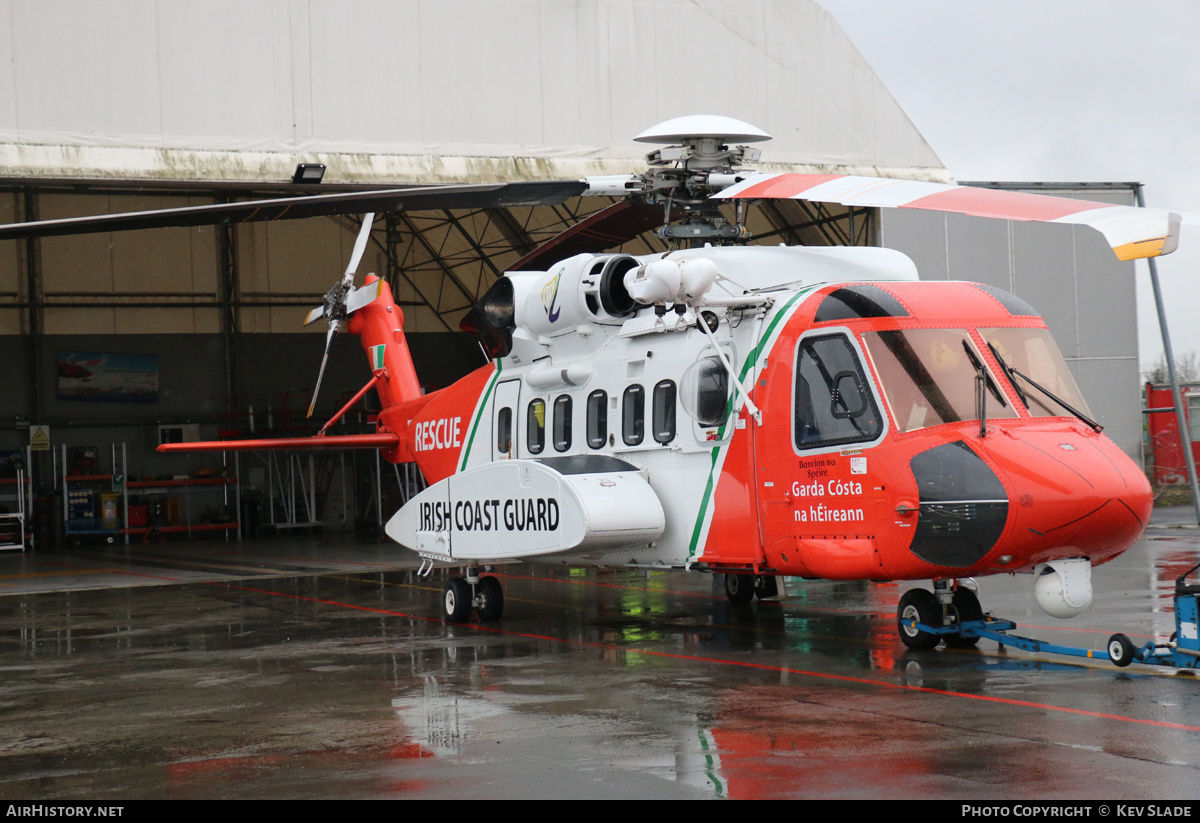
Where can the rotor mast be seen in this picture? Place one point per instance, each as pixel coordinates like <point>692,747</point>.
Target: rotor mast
<point>696,163</point>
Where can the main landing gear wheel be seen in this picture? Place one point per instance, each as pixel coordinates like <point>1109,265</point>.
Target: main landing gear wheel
<point>456,600</point>
<point>1120,650</point>
<point>919,605</point>
<point>966,603</point>
<point>739,588</point>
<point>491,600</point>
<point>766,585</point>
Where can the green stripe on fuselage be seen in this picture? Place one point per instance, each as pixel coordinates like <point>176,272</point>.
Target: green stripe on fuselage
<point>749,362</point>
<point>479,413</point>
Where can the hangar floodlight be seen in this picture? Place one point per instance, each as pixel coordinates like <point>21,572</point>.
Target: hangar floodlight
<point>309,173</point>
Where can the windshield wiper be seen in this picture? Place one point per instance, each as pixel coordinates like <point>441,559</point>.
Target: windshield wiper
<point>983,384</point>
<point>1011,373</point>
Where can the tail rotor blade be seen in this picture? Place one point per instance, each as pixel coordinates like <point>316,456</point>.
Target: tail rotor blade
<point>335,307</point>
<point>314,315</point>
<point>360,297</point>
<point>360,245</point>
<point>333,330</point>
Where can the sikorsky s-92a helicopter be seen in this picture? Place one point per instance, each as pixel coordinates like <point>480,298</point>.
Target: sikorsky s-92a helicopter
<point>746,410</point>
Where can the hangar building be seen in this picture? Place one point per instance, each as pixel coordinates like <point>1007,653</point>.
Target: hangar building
<point>146,105</point>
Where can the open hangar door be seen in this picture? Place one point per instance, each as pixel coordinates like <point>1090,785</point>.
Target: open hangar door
<point>219,308</point>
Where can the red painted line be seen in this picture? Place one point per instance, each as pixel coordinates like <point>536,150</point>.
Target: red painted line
<point>869,612</point>
<point>121,572</point>
<point>388,612</point>
<point>85,569</point>
<point>317,560</point>
<point>742,664</point>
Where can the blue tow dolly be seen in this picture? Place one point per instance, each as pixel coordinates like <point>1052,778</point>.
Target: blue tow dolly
<point>1182,650</point>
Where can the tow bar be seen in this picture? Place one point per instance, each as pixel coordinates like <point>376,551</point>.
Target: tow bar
<point>1181,651</point>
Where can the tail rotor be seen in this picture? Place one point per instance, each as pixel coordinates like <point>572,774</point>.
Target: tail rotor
<point>342,300</point>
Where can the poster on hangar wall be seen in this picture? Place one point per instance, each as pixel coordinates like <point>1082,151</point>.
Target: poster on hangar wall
<point>109,378</point>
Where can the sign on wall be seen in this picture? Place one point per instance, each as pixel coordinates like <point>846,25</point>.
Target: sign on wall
<point>110,378</point>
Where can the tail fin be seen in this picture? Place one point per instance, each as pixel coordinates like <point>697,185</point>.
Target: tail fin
<point>380,327</point>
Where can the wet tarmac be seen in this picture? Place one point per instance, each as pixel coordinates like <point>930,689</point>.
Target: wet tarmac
<point>304,668</point>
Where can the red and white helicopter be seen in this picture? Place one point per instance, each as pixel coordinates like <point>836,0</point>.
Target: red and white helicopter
<point>747,410</point>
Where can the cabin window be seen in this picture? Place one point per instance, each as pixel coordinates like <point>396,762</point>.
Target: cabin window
<point>833,404</point>
<point>504,431</point>
<point>663,420</point>
<point>597,419</point>
<point>562,423</point>
<point>535,426</point>
<point>633,415</point>
<point>706,391</point>
<point>931,376</point>
<point>1032,356</point>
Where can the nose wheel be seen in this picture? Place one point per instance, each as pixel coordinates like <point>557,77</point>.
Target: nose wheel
<point>918,606</point>
<point>483,595</point>
<point>941,608</point>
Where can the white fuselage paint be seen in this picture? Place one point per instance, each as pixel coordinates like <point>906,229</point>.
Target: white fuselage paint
<point>617,354</point>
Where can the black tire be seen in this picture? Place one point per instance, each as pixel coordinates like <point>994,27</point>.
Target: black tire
<point>456,600</point>
<point>1120,650</point>
<point>919,605</point>
<point>766,585</point>
<point>966,603</point>
<point>491,594</point>
<point>739,588</point>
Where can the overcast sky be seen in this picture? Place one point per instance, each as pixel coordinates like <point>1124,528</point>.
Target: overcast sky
<point>1056,90</point>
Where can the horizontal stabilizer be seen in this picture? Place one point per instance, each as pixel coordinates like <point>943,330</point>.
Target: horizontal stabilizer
<point>1132,233</point>
<point>382,440</point>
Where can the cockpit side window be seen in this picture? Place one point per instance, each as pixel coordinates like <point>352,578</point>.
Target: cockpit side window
<point>833,401</point>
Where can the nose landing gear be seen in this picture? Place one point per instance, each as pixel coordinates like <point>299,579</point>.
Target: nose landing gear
<point>484,595</point>
<point>950,604</point>
<point>953,616</point>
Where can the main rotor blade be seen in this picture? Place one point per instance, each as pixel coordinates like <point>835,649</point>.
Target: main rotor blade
<point>1132,233</point>
<point>609,227</point>
<point>360,245</point>
<point>488,195</point>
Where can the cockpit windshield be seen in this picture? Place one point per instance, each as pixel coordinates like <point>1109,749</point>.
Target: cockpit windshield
<point>1037,370</point>
<point>932,376</point>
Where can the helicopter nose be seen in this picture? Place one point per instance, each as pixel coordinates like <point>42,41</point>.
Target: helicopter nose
<point>1073,493</point>
<point>1065,492</point>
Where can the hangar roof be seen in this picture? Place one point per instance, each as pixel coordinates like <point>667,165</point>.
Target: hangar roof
<point>387,91</point>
